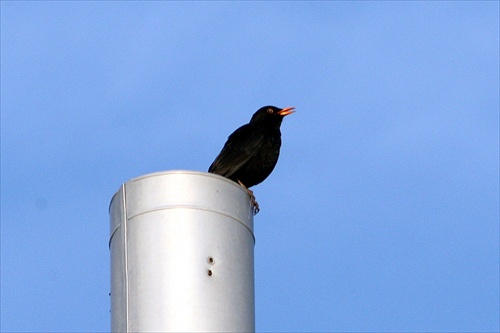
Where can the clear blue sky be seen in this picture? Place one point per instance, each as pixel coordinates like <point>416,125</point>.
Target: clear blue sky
<point>382,213</point>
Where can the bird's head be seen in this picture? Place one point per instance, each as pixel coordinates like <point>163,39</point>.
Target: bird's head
<point>271,115</point>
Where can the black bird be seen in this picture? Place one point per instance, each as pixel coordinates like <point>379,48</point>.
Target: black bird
<point>251,152</point>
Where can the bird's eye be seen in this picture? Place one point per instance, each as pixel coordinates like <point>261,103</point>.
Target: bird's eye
<point>269,110</point>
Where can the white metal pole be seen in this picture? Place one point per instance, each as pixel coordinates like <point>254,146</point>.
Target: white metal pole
<point>182,255</point>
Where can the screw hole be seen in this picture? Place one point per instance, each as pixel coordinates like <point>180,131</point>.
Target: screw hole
<point>209,272</point>
<point>210,260</point>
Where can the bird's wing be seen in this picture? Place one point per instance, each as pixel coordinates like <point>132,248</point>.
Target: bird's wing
<point>241,145</point>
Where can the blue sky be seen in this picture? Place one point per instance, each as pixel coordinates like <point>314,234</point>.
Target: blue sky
<point>382,213</point>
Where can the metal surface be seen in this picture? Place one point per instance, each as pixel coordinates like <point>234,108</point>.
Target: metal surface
<point>182,255</point>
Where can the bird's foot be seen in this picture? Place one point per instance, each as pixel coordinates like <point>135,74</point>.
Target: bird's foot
<point>253,202</point>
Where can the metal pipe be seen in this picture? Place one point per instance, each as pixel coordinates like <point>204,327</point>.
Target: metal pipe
<point>182,257</point>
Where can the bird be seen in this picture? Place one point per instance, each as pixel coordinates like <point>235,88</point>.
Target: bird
<point>251,152</point>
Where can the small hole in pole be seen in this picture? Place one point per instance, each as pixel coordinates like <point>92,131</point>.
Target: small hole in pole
<point>210,260</point>
<point>209,272</point>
